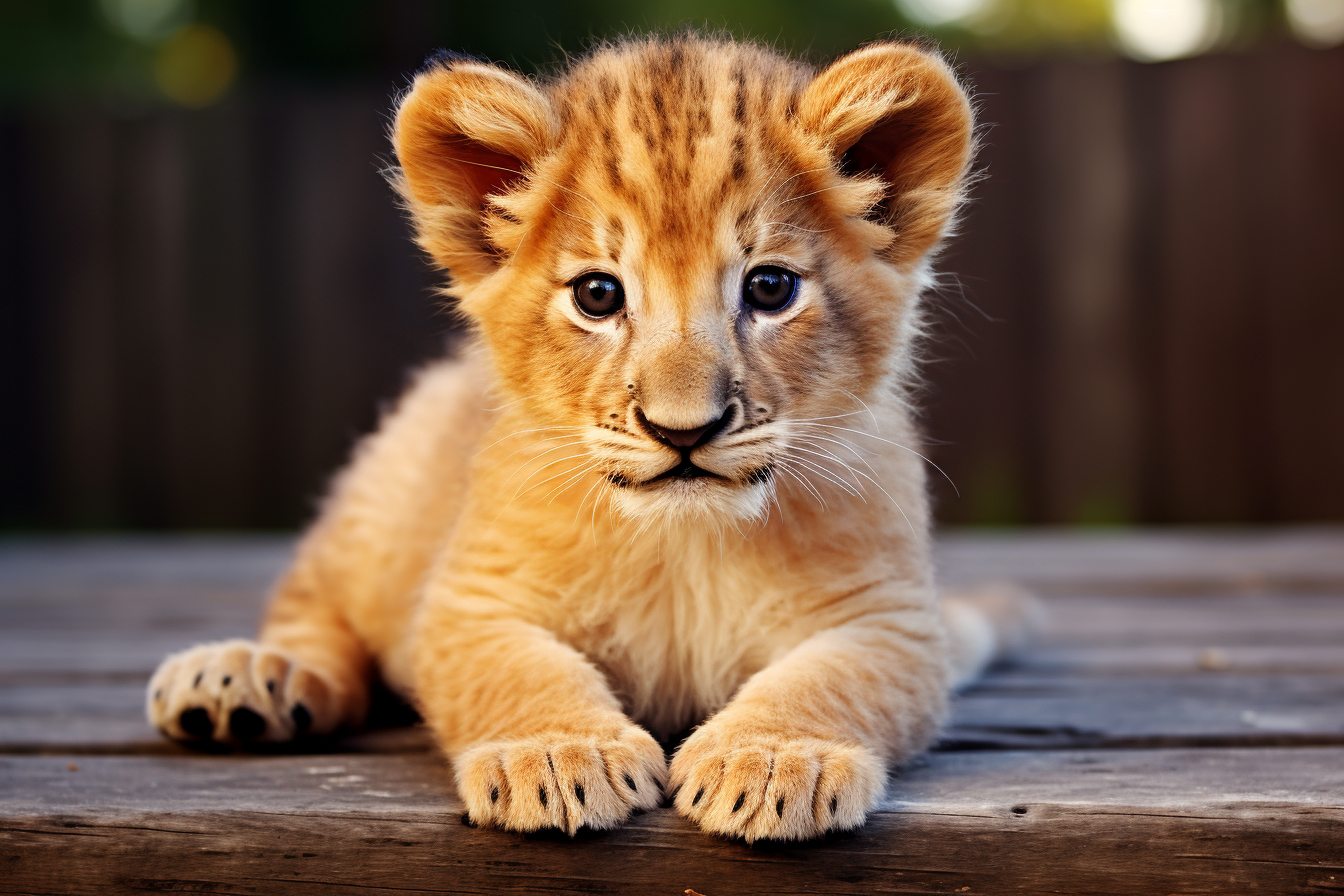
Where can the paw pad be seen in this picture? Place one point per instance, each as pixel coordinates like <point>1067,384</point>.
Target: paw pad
<point>196,722</point>
<point>245,724</point>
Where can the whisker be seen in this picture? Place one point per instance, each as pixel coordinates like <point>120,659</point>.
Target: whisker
<point>830,477</point>
<point>525,432</point>
<point>814,419</point>
<point>559,489</point>
<point>865,406</point>
<point>896,444</point>
<point>802,480</point>
<point>537,457</point>
<point>827,455</point>
<point>543,482</point>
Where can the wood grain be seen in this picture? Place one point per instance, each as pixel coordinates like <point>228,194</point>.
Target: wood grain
<point>1086,822</point>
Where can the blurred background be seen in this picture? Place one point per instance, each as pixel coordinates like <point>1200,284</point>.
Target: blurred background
<point>206,292</point>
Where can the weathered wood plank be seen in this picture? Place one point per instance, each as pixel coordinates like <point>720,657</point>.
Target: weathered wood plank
<point>126,637</point>
<point>1054,561</point>
<point>1078,822</point>
<point>1250,654</point>
<point>1012,708</point>
<point>1169,562</point>
<point>87,621</point>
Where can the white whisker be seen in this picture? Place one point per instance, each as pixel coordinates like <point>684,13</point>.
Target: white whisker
<point>889,442</point>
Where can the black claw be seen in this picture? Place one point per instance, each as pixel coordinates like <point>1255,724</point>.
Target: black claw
<point>699,793</point>
<point>741,798</point>
<point>541,795</point>
<point>158,695</point>
<point>270,687</point>
<point>466,820</point>
<point>630,782</point>
<point>245,724</point>
<point>301,716</point>
<point>196,722</point>
<point>494,794</point>
<point>196,682</point>
<point>833,802</point>
<point>779,807</point>
<point>228,680</point>
<point>578,792</point>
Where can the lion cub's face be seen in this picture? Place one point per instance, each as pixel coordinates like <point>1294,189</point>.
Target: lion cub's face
<point>684,251</point>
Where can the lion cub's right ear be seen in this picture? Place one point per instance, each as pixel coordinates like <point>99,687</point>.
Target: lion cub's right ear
<point>466,131</point>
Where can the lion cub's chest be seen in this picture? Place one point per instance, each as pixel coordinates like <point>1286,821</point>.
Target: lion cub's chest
<point>677,637</point>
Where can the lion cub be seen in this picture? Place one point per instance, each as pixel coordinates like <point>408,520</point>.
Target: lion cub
<point>673,479</point>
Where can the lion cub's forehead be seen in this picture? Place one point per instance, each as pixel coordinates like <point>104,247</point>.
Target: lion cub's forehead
<point>677,138</point>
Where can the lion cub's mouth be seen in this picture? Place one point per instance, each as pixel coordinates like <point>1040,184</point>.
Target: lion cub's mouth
<point>684,470</point>
<point>688,470</point>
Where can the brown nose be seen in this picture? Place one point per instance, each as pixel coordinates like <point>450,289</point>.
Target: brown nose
<point>686,439</point>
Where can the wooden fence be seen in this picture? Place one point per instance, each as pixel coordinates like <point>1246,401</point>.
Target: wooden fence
<point>1143,322</point>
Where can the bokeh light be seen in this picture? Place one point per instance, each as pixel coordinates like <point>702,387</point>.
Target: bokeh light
<point>148,20</point>
<point>196,65</point>
<point>941,12</point>
<point>1154,30</point>
<point>1317,23</point>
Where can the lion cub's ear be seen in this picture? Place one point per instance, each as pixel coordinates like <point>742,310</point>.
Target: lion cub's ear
<point>466,131</point>
<point>896,111</point>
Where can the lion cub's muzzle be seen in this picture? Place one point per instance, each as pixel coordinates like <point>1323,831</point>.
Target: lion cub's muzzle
<point>686,441</point>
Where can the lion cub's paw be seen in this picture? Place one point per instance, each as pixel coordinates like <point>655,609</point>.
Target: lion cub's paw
<point>768,787</point>
<point>561,781</point>
<point>239,691</point>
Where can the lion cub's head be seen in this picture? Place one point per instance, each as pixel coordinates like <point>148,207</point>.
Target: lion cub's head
<point>685,247</point>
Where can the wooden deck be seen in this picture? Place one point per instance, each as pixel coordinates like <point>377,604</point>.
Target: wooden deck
<point>1179,730</point>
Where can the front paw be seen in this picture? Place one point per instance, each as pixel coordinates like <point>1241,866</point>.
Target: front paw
<point>743,782</point>
<point>238,692</point>
<point>562,781</point>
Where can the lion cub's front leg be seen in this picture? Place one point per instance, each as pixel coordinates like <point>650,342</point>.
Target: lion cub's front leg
<point>536,737</point>
<point>805,746</point>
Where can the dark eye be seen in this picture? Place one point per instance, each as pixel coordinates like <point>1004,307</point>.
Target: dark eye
<point>598,295</point>
<point>769,288</point>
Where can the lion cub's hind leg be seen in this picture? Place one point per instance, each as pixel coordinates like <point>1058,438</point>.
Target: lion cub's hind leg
<point>308,675</point>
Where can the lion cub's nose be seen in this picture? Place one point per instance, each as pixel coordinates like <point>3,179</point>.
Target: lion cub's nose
<point>686,438</point>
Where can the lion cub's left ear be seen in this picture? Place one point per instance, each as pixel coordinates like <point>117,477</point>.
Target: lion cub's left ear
<point>897,111</point>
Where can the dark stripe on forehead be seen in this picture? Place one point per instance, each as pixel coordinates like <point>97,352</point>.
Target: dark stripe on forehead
<point>739,94</point>
<point>739,160</point>
<point>611,91</point>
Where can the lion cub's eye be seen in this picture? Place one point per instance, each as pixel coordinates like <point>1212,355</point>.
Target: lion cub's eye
<point>769,288</point>
<point>598,295</point>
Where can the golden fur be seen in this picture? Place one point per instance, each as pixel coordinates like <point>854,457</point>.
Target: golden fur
<point>500,551</point>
